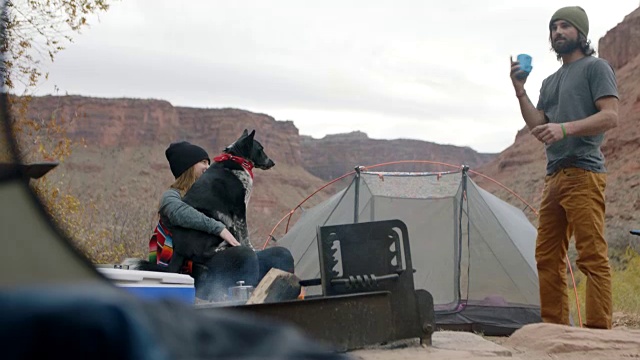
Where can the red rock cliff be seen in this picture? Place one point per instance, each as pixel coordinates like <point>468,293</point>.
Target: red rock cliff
<point>622,43</point>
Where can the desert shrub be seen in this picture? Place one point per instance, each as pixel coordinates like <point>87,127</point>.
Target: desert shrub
<point>625,284</point>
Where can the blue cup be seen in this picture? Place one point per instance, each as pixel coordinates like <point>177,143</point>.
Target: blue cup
<point>525,65</point>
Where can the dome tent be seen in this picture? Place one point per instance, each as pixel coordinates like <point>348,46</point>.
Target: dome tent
<point>472,251</point>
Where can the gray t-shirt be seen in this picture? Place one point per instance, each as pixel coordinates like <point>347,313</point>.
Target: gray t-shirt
<point>570,94</point>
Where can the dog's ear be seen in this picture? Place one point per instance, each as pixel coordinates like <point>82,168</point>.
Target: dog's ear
<point>245,132</point>
<point>252,134</point>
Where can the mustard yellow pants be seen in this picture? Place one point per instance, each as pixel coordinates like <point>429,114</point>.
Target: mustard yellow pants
<point>573,204</point>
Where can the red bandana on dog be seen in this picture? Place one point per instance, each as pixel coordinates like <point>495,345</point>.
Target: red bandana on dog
<point>246,164</point>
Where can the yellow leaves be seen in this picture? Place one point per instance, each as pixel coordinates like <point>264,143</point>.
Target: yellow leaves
<point>37,30</point>
<point>54,194</point>
<point>34,29</point>
<point>72,204</point>
<point>40,138</point>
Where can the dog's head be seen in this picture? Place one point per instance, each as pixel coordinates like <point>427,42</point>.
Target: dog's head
<point>250,149</point>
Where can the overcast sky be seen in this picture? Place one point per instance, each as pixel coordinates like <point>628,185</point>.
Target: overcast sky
<point>429,70</point>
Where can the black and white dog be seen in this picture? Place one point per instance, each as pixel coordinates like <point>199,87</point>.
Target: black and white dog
<point>222,193</point>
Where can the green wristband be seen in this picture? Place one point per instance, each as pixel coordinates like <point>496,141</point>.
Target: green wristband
<point>564,131</point>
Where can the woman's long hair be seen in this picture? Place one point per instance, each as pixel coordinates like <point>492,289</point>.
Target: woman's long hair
<point>184,182</point>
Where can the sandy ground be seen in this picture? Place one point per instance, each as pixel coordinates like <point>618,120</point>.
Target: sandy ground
<point>535,342</point>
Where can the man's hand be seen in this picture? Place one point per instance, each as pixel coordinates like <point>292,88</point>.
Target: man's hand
<point>229,238</point>
<point>548,133</point>
<point>518,83</point>
<point>532,116</point>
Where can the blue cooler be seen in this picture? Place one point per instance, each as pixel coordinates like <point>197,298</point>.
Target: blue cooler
<point>153,284</point>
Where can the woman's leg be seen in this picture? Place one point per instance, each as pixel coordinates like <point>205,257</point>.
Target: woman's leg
<point>274,257</point>
<point>224,270</point>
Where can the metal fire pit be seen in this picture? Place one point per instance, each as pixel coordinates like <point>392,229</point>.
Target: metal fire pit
<point>368,295</point>
<point>376,256</point>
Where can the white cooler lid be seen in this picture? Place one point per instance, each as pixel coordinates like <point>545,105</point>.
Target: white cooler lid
<point>145,277</point>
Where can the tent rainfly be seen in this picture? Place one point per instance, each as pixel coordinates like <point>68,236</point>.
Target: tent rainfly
<point>472,251</point>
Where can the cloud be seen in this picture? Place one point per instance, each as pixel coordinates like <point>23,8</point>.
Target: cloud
<point>414,69</point>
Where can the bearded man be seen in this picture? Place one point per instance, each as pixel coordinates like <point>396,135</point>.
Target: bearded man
<point>577,105</point>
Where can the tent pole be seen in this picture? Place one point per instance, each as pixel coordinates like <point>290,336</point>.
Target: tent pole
<point>465,170</point>
<point>356,202</point>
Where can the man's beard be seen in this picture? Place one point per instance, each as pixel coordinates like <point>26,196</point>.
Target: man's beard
<point>567,47</point>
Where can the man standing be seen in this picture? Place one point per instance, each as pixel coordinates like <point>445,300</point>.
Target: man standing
<point>577,104</point>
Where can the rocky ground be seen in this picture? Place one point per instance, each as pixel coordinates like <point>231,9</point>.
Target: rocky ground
<point>532,342</point>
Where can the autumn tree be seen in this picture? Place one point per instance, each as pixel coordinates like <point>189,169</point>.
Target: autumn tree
<point>38,29</point>
<point>35,31</point>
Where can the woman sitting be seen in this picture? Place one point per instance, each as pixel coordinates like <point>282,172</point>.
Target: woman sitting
<point>236,263</point>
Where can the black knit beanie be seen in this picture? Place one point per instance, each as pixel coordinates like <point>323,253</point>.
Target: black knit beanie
<point>575,15</point>
<point>183,155</point>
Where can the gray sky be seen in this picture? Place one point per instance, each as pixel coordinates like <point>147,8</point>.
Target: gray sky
<point>435,71</point>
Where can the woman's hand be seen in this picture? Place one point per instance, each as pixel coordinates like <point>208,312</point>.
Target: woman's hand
<point>228,237</point>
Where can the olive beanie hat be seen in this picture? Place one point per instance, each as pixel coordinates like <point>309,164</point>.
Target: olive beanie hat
<point>574,15</point>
